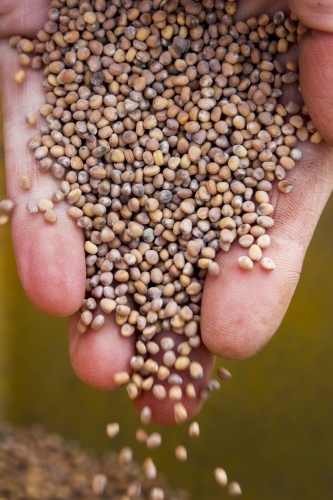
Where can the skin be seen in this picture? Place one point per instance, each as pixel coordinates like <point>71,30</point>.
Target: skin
<point>241,310</point>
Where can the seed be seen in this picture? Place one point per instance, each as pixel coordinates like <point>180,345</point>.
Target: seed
<point>99,484</point>
<point>181,363</point>
<point>98,322</point>
<point>132,390</point>
<point>223,373</point>
<point>156,494</point>
<point>125,456</point>
<point>6,205</point>
<point>255,252</point>
<point>19,77</point>
<point>268,264</point>
<point>149,468</point>
<point>112,429</point>
<point>50,216</point>
<point>159,391</point>
<point>180,413</point>
<point>145,415</point>
<point>44,205</point>
<point>30,118</point>
<point>175,393</point>
<point>121,378</point>
<point>154,440</point>
<point>196,370</point>
<point>221,477</point>
<point>181,453</point>
<point>4,219</point>
<point>245,262</point>
<point>190,391</point>
<point>234,489</point>
<point>25,182</point>
<point>141,436</point>
<point>32,207</point>
<point>194,430</point>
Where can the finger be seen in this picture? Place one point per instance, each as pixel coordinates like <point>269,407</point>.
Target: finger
<point>97,356</point>
<point>50,257</point>
<point>241,310</point>
<point>255,8</point>
<point>316,72</point>
<point>22,17</point>
<point>314,14</point>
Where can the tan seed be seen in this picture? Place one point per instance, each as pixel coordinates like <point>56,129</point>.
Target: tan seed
<point>112,429</point>
<point>220,477</point>
<point>181,453</point>
<point>268,264</point>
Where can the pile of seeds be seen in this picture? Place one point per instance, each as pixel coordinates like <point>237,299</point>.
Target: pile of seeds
<point>36,465</point>
<point>163,124</point>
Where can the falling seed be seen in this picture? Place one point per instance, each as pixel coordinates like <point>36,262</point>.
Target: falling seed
<point>190,391</point>
<point>221,477</point>
<point>194,429</point>
<point>196,370</point>
<point>149,468</point>
<point>156,494</point>
<point>234,489</point>
<point>223,373</point>
<point>6,205</point>
<point>4,219</point>
<point>112,429</point>
<point>181,453</point>
<point>141,436</point>
<point>134,489</point>
<point>180,413</point>
<point>125,456</point>
<point>99,484</point>
<point>159,391</point>
<point>132,390</point>
<point>175,393</point>
<point>154,440</point>
<point>145,415</point>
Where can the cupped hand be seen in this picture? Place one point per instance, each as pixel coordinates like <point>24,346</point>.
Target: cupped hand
<point>240,310</point>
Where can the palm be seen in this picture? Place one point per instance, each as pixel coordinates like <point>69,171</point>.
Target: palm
<point>240,312</point>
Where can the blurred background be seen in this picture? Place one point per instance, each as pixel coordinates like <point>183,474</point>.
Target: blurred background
<point>270,427</point>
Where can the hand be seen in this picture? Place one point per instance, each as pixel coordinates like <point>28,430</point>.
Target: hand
<point>240,310</point>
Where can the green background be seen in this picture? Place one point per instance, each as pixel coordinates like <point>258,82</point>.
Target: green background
<point>270,427</point>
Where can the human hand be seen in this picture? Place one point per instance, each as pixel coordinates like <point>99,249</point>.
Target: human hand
<point>240,310</point>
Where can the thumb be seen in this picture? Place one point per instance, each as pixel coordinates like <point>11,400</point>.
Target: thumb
<point>316,74</point>
<point>314,14</point>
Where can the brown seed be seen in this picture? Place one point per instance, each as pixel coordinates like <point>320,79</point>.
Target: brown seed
<point>224,374</point>
<point>25,182</point>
